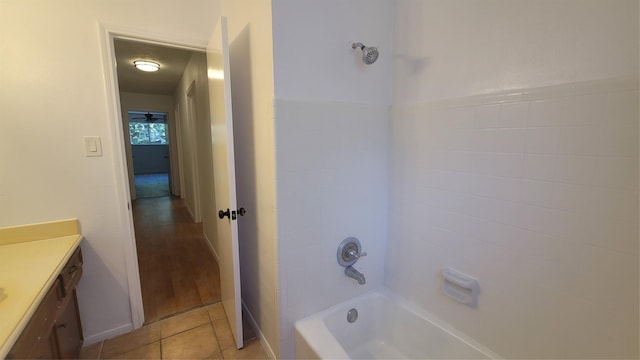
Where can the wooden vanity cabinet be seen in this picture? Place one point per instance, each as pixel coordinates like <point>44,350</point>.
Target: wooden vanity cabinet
<point>54,331</point>
<point>68,330</point>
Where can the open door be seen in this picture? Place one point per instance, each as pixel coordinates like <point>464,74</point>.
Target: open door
<point>218,72</point>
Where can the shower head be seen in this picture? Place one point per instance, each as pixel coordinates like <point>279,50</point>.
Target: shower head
<point>369,54</point>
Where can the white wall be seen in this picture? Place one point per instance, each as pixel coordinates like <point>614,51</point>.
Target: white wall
<point>52,93</point>
<point>331,114</point>
<point>313,58</point>
<point>145,102</point>
<point>251,54</point>
<point>452,48</point>
<point>150,159</point>
<point>196,144</point>
<point>533,191</point>
<point>332,184</point>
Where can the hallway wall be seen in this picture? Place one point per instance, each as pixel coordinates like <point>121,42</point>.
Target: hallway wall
<point>150,159</point>
<point>196,144</point>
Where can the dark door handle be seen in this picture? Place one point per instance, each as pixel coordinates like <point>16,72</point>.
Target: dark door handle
<point>73,269</point>
<point>231,214</point>
<point>222,214</point>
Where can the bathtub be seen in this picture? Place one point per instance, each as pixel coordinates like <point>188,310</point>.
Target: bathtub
<point>386,327</point>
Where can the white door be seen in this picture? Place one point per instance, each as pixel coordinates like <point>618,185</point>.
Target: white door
<point>224,175</point>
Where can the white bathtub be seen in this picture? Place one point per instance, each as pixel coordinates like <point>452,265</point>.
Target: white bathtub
<point>387,328</point>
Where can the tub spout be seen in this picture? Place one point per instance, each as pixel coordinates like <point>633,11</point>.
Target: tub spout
<point>355,274</point>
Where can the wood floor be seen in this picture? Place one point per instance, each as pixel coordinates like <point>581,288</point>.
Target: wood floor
<point>177,270</point>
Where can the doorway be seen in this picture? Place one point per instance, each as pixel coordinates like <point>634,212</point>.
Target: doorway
<point>177,269</point>
<point>149,139</point>
<point>220,235</point>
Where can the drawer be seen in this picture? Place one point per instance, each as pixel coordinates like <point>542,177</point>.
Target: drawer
<point>70,275</point>
<point>54,329</point>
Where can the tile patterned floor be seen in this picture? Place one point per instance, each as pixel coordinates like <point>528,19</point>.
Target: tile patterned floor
<point>203,333</point>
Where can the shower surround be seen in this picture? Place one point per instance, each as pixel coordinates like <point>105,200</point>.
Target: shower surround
<point>514,159</point>
<point>535,193</point>
<point>332,168</point>
<point>482,145</point>
<point>331,115</point>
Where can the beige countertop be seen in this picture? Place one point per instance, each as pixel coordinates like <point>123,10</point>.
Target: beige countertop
<point>31,257</point>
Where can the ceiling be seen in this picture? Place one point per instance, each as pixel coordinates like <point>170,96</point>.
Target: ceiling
<point>172,62</point>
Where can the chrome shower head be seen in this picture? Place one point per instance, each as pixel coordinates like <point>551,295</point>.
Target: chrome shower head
<point>369,54</point>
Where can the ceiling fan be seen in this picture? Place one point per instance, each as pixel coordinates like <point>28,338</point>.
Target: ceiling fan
<point>148,117</point>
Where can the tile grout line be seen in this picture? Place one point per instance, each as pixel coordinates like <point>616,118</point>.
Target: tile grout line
<point>162,337</point>
<point>100,349</point>
<point>183,331</point>
<point>209,316</point>
<point>213,328</point>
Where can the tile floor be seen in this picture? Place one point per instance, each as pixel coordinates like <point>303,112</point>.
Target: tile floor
<point>202,333</point>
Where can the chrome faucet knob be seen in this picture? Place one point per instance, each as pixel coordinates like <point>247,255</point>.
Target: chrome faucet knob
<point>349,251</point>
<point>354,254</point>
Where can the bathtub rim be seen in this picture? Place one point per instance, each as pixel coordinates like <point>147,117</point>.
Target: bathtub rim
<point>328,347</point>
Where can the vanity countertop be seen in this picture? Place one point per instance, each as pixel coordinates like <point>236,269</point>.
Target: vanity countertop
<point>31,257</point>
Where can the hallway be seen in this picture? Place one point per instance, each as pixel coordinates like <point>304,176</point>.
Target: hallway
<point>177,270</point>
<point>151,185</point>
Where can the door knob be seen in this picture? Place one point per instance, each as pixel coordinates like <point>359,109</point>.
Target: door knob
<point>222,214</point>
<point>231,214</point>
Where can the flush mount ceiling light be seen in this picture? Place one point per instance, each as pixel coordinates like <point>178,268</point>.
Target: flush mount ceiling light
<point>148,66</point>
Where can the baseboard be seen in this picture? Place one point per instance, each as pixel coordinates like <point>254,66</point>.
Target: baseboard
<point>261,337</point>
<point>92,339</point>
<point>213,251</point>
<point>193,217</point>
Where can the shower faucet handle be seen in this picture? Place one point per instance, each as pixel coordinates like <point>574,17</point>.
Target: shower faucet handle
<point>356,255</point>
<point>349,251</point>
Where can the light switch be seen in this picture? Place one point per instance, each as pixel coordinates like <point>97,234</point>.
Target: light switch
<point>92,146</point>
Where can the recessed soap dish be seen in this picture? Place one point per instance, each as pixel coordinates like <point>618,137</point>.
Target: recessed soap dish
<point>461,287</point>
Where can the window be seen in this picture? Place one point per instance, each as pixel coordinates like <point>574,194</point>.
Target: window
<point>142,133</point>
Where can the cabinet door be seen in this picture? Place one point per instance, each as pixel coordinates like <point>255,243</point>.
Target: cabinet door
<point>68,330</point>
<point>45,348</point>
<point>37,340</point>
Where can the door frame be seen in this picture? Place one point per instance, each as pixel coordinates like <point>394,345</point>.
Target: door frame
<point>177,119</point>
<point>109,32</point>
<point>191,120</point>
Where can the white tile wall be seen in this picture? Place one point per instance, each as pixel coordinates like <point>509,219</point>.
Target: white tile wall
<point>537,197</point>
<point>332,181</point>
